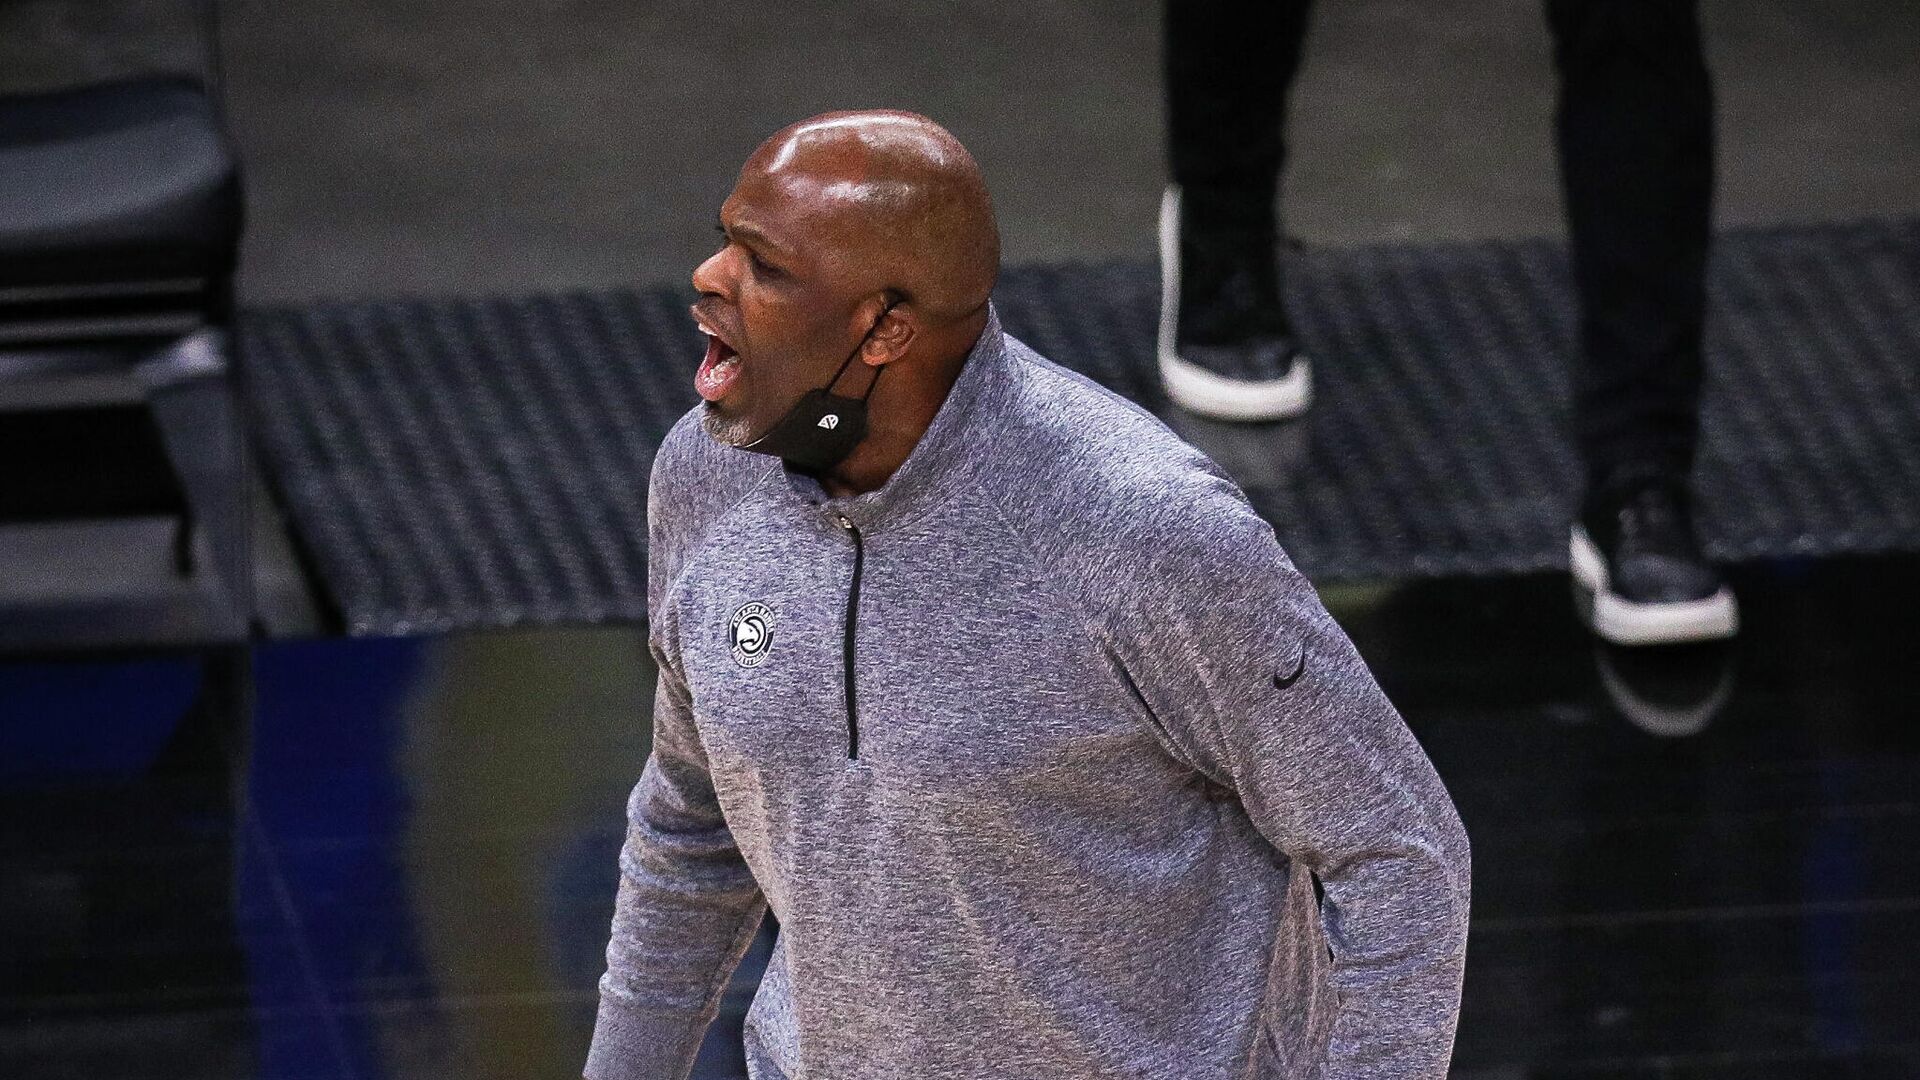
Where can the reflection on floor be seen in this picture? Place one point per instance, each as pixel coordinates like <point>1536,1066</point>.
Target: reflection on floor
<point>1699,864</point>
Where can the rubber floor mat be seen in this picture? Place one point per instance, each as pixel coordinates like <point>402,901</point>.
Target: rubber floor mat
<point>454,463</point>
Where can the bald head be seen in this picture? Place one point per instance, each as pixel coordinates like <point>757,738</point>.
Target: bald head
<point>852,235</point>
<point>898,203</point>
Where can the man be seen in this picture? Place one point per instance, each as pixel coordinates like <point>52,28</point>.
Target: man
<point>1635,135</point>
<point>1007,703</point>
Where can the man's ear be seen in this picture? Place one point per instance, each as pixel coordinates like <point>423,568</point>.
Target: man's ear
<point>893,335</point>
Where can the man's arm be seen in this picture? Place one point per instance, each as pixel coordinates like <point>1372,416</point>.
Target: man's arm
<point>687,906</point>
<point>686,910</point>
<point>1250,676</point>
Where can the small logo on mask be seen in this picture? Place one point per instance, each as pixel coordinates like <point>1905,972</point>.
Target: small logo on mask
<point>750,634</point>
<point>830,421</point>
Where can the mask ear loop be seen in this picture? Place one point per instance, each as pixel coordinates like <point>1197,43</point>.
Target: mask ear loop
<point>835,381</point>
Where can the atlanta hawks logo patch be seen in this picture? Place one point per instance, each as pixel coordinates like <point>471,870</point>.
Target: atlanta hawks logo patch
<point>750,634</point>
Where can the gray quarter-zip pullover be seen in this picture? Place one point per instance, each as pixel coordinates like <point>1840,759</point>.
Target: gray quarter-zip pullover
<point>1042,753</point>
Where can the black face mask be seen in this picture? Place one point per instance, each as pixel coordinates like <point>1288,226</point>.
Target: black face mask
<point>822,428</point>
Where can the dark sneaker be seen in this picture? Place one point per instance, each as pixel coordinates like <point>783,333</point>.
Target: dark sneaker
<point>1635,552</point>
<point>1224,351</point>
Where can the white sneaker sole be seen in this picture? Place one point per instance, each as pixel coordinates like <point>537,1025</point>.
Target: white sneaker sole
<point>1625,622</point>
<point>1662,720</point>
<point>1193,387</point>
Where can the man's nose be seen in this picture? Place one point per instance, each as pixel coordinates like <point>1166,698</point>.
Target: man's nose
<point>712,276</point>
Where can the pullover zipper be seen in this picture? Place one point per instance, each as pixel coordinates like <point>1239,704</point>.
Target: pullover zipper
<point>853,607</point>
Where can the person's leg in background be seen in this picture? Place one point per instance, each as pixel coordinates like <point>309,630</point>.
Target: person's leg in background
<point>1226,348</point>
<point>1635,134</point>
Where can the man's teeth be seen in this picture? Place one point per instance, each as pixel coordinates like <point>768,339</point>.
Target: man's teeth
<point>731,354</point>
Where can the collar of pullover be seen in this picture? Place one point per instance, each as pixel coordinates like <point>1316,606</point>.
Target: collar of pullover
<point>935,460</point>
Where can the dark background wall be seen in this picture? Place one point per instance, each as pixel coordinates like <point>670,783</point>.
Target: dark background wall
<point>491,145</point>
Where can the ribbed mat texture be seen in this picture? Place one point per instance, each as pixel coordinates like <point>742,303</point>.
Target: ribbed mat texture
<point>457,463</point>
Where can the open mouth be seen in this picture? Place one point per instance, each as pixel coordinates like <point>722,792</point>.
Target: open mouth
<point>720,369</point>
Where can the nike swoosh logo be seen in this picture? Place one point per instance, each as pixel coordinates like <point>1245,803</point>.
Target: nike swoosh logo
<point>1284,681</point>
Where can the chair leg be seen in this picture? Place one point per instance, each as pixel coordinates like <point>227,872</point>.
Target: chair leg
<point>183,561</point>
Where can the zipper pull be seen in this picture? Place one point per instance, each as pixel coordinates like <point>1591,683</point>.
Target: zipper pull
<point>844,523</point>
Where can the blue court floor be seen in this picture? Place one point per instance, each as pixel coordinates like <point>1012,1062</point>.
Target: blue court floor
<point>401,864</point>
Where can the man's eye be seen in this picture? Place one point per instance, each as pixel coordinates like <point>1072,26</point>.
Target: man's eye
<point>761,266</point>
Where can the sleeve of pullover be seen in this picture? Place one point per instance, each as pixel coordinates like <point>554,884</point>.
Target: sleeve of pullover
<point>687,906</point>
<point>1326,770</point>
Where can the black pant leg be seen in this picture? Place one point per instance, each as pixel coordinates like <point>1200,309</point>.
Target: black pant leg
<point>1227,66</point>
<point>1636,142</point>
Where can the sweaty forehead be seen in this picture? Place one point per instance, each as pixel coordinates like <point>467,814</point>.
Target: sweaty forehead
<point>819,203</point>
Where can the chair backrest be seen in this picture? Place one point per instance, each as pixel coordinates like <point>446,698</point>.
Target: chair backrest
<point>120,213</point>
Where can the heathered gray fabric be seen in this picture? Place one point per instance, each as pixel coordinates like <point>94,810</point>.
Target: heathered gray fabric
<point>1076,839</point>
